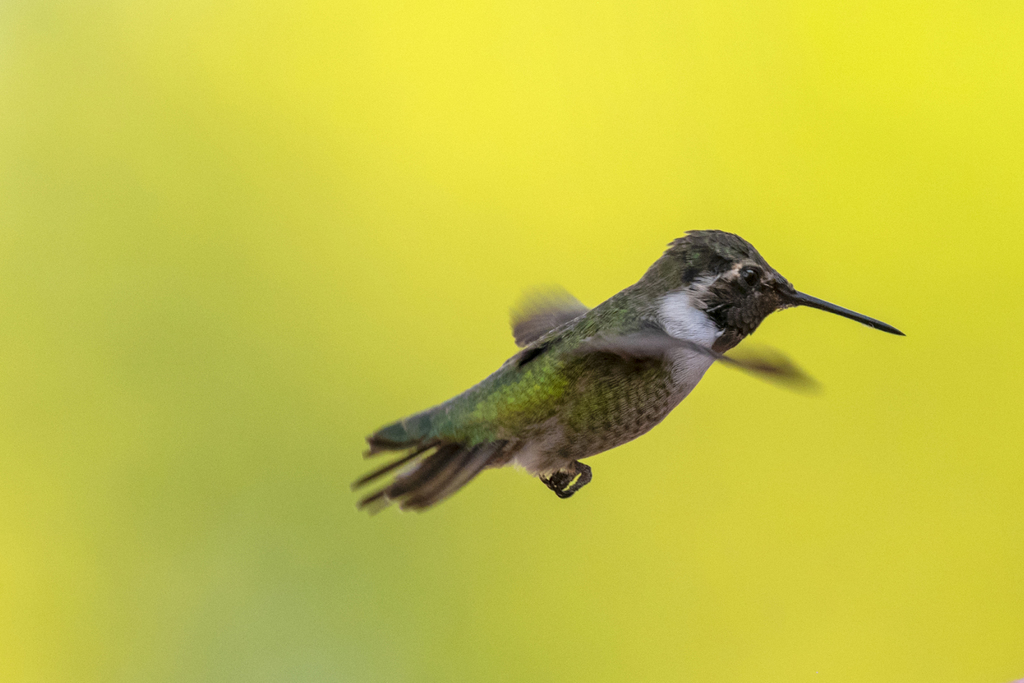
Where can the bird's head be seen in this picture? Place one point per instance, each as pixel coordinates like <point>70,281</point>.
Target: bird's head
<point>722,275</point>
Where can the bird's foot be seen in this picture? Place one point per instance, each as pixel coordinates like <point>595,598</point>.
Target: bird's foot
<point>562,484</point>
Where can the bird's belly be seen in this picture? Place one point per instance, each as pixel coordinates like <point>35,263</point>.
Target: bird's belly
<point>613,408</point>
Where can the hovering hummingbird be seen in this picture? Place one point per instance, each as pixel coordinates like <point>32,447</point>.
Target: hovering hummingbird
<point>587,380</point>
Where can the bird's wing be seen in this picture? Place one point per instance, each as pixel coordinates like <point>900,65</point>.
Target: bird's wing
<point>542,311</point>
<point>652,345</point>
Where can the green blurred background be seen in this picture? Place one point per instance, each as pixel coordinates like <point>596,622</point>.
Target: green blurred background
<point>236,237</point>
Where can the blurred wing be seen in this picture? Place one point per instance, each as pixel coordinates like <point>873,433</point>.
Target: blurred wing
<point>542,311</point>
<point>772,365</point>
<point>638,346</point>
<point>654,345</point>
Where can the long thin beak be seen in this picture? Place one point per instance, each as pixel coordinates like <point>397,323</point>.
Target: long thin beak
<point>801,299</point>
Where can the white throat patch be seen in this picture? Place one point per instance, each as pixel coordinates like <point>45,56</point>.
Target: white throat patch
<point>683,320</point>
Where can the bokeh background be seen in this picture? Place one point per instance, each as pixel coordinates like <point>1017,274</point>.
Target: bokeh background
<point>236,237</point>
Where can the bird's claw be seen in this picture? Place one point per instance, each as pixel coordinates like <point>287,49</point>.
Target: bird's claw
<point>562,484</point>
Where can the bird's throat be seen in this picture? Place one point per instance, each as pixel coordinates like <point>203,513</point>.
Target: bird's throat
<point>683,319</point>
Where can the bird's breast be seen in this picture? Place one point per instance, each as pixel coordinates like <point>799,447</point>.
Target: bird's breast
<point>682,318</point>
<point>688,367</point>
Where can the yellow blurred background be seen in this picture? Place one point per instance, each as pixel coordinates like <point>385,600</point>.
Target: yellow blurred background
<point>235,238</point>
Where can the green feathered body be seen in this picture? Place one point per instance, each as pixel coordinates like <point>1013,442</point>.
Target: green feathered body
<point>576,404</point>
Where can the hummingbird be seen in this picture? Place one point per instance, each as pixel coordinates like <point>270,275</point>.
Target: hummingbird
<point>587,380</point>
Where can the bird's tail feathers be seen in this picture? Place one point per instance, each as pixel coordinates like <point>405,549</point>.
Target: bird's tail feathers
<point>433,470</point>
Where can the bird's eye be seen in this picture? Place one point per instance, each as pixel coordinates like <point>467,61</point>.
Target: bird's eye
<point>751,275</point>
